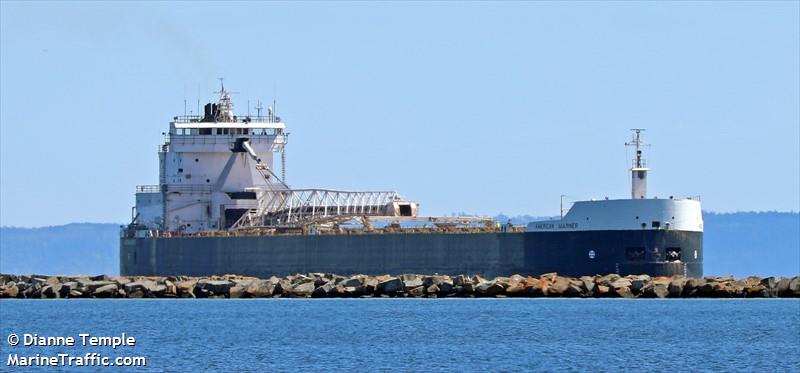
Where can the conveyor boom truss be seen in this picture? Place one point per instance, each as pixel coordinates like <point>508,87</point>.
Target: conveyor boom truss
<point>299,207</point>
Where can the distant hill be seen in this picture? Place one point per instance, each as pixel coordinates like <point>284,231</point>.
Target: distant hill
<point>78,248</point>
<point>740,244</point>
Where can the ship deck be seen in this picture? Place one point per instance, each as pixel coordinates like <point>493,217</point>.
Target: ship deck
<point>258,232</point>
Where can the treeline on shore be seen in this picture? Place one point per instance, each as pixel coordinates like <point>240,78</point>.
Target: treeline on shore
<point>327,285</point>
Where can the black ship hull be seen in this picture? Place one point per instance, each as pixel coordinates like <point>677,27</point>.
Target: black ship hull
<point>652,252</point>
<point>578,253</point>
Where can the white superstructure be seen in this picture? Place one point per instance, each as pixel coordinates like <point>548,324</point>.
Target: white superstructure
<point>216,172</point>
<point>204,182</point>
<point>627,214</point>
<point>636,213</point>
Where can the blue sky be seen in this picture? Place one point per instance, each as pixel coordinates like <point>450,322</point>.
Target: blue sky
<point>475,107</point>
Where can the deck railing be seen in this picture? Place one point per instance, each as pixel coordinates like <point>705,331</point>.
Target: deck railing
<point>237,119</point>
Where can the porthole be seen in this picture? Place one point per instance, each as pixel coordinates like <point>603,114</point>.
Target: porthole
<point>592,254</point>
<point>208,181</point>
<point>196,160</point>
<point>637,218</point>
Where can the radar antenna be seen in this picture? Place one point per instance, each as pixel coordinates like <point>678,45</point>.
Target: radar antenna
<point>639,168</point>
<point>225,105</point>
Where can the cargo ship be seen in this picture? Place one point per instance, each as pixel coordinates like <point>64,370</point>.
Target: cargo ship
<point>220,207</point>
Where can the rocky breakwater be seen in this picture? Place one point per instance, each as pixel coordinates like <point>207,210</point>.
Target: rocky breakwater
<point>325,285</point>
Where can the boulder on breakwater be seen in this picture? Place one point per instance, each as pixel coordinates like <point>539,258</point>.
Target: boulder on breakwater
<point>327,285</point>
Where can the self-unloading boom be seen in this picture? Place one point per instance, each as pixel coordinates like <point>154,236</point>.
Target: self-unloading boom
<point>284,207</point>
<point>281,206</point>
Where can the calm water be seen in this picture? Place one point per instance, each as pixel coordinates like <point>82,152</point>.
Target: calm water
<point>423,334</point>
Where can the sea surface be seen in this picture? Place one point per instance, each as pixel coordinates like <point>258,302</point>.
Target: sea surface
<point>574,335</point>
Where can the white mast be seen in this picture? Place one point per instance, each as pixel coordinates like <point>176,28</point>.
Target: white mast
<point>639,169</point>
